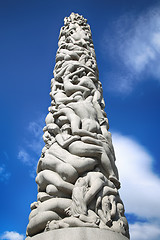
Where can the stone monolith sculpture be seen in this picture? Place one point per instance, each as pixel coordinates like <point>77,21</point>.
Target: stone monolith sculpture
<point>77,177</point>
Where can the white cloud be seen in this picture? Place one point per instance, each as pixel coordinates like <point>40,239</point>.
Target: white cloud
<point>28,159</point>
<point>140,49</point>
<point>35,144</point>
<point>35,128</point>
<point>34,140</point>
<point>12,236</point>
<point>140,190</point>
<point>140,186</point>
<point>32,145</point>
<point>135,46</point>
<point>4,174</point>
<point>144,231</point>
<point>24,157</point>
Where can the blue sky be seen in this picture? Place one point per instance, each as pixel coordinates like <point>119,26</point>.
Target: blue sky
<point>126,36</point>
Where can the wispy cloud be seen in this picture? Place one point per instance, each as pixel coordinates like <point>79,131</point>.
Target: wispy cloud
<point>29,160</point>
<point>4,174</point>
<point>140,186</point>
<point>35,128</point>
<point>12,236</point>
<point>134,44</point>
<point>25,157</point>
<point>32,145</point>
<point>145,231</point>
<point>35,132</point>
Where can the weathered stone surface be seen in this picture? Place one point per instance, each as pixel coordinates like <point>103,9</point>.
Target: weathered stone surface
<point>77,176</point>
<point>79,234</point>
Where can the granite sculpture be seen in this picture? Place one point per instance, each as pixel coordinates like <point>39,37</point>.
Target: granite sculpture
<point>77,176</point>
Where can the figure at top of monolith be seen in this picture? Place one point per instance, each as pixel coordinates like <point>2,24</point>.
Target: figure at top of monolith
<point>77,176</point>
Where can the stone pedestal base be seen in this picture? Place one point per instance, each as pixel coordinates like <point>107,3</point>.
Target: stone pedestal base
<point>78,233</point>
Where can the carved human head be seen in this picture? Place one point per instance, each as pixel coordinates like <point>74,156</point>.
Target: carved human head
<point>120,209</point>
<point>65,127</point>
<point>106,205</point>
<point>53,128</point>
<point>75,78</point>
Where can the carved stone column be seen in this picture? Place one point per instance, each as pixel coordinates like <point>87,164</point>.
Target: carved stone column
<point>76,174</point>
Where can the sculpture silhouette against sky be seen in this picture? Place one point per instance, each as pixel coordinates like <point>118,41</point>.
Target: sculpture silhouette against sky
<point>77,176</point>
